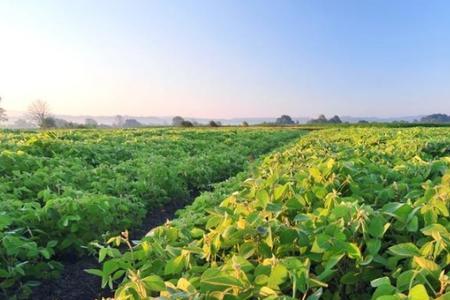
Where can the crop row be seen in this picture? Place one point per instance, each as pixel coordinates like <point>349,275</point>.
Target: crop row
<point>61,190</point>
<point>343,214</point>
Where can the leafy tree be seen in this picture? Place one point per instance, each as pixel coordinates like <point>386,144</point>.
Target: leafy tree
<point>212,123</point>
<point>2,113</point>
<point>48,122</point>
<point>320,120</point>
<point>436,118</point>
<point>60,123</point>
<point>39,113</point>
<point>177,121</point>
<point>132,123</point>
<point>91,123</point>
<point>187,124</point>
<point>363,122</point>
<point>245,124</point>
<point>335,120</point>
<point>284,120</point>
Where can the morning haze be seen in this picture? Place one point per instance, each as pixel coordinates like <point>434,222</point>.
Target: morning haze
<point>226,59</point>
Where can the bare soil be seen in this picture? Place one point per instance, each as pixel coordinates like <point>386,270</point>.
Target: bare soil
<point>75,284</point>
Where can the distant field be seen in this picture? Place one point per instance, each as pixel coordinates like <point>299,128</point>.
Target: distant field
<point>60,190</point>
<point>354,213</point>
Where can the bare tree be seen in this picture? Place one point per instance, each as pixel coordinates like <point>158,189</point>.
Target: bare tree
<point>2,113</point>
<point>118,121</point>
<point>39,113</point>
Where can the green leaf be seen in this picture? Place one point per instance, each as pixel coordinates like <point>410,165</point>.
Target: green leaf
<point>175,265</point>
<point>413,225</point>
<point>154,283</point>
<point>287,236</point>
<point>377,226</point>
<point>216,280</point>
<point>263,198</point>
<point>332,261</point>
<point>277,276</point>
<point>102,254</point>
<point>280,191</point>
<point>45,253</point>
<point>418,292</point>
<point>390,297</point>
<point>380,281</point>
<point>383,290</point>
<point>404,280</point>
<point>353,251</point>
<point>405,250</point>
<point>94,272</point>
<point>5,221</point>
<point>261,279</point>
<point>373,246</point>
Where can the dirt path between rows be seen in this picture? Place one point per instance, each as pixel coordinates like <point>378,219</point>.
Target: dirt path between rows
<point>75,284</point>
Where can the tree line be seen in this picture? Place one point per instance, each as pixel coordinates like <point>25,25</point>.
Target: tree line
<point>39,114</point>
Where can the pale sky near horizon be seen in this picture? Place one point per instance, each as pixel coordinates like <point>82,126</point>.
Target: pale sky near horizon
<point>223,59</point>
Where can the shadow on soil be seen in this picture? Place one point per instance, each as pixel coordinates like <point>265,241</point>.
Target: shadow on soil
<point>75,284</point>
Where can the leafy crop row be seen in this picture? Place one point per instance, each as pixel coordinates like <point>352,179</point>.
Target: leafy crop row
<point>61,190</point>
<point>343,214</point>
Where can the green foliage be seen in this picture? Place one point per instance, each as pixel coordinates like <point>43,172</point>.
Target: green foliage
<point>343,214</point>
<point>61,190</point>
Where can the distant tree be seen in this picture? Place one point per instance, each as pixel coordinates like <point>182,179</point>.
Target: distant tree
<point>39,113</point>
<point>59,123</point>
<point>177,121</point>
<point>436,118</point>
<point>118,121</point>
<point>90,123</point>
<point>2,113</point>
<point>187,124</point>
<point>22,124</point>
<point>284,120</point>
<point>213,123</point>
<point>363,122</point>
<point>320,120</point>
<point>132,123</point>
<point>335,120</point>
<point>245,124</point>
<point>48,122</point>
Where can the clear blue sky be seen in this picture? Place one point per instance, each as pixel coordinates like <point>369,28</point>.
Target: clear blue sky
<point>227,58</point>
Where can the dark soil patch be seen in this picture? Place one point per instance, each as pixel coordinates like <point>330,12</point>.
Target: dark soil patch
<point>75,284</point>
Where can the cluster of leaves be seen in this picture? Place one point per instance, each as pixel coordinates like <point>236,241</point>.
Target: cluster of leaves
<point>343,214</point>
<point>61,190</point>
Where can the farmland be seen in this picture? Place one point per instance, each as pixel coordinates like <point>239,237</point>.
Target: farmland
<point>354,213</point>
<point>61,190</point>
<point>335,213</point>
